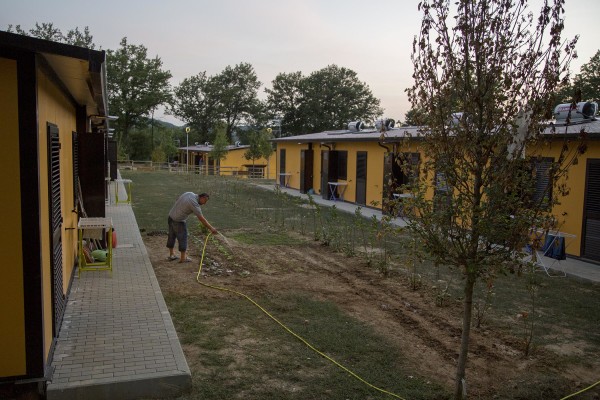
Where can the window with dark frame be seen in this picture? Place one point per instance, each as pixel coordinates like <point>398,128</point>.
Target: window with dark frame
<point>442,191</point>
<point>409,168</point>
<point>342,164</point>
<point>543,181</point>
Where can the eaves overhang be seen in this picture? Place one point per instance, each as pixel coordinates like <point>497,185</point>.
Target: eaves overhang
<point>81,71</point>
<point>393,135</point>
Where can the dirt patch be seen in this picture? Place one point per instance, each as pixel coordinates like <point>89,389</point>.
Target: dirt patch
<point>428,335</point>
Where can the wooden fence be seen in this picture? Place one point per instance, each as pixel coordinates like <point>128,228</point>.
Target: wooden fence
<point>192,169</point>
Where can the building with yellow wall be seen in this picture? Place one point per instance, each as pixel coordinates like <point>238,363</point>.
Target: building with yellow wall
<point>362,166</point>
<point>578,213</point>
<point>348,163</point>
<point>234,163</point>
<point>49,93</point>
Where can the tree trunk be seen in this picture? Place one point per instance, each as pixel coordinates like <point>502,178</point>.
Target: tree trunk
<point>464,341</point>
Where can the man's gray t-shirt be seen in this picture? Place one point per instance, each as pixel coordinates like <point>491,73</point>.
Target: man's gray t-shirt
<point>185,205</point>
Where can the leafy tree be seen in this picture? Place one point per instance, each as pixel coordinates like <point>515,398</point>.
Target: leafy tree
<point>219,150</point>
<point>47,31</point>
<point>230,97</point>
<point>584,87</point>
<point>255,151</point>
<point>260,147</point>
<point>136,86</point>
<point>333,96</point>
<point>258,115</point>
<point>285,99</point>
<point>266,147</point>
<point>139,145</point>
<point>17,29</point>
<point>236,90</point>
<point>158,155</point>
<point>492,59</point>
<point>326,99</point>
<point>565,93</point>
<point>588,79</point>
<point>413,117</point>
<point>166,141</point>
<point>195,102</point>
<point>78,38</point>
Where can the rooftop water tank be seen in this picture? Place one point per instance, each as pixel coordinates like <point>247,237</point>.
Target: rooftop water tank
<point>585,110</point>
<point>355,126</point>
<point>384,124</point>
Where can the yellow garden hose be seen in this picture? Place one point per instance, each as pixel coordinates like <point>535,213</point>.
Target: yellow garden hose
<point>581,391</point>
<point>285,327</point>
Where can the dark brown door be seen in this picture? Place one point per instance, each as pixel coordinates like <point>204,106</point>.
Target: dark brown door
<point>282,167</point>
<point>388,182</point>
<point>112,158</point>
<point>306,170</point>
<point>591,212</point>
<point>361,177</point>
<point>325,174</point>
<point>92,160</point>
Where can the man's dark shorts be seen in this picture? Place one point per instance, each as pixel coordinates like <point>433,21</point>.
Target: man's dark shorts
<point>177,230</point>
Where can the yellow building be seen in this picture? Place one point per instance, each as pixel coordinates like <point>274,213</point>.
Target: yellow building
<point>49,93</point>
<point>579,213</point>
<point>362,166</point>
<point>234,163</point>
<point>348,164</point>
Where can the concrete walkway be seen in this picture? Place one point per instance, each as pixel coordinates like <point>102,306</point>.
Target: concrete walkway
<point>572,267</point>
<point>117,339</point>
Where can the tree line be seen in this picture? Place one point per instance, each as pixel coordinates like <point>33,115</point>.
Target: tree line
<point>138,84</point>
<point>584,86</point>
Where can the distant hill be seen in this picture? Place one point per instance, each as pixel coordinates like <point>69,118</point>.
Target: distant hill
<point>166,124</point>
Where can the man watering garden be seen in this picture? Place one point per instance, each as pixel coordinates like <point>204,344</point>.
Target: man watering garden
<point>185,205</point>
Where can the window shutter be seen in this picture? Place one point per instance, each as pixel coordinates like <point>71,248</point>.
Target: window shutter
<point>543,183</point>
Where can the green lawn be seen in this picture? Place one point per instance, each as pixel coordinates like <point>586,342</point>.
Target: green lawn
<point>566,310</point>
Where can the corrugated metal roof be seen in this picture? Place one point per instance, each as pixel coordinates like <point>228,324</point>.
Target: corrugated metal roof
<point>366,135</point>
<point>207,149</point>
<point>592,128</point>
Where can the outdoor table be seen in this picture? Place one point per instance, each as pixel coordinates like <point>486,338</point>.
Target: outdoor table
<point>286,178</point>
<point>403,195</point>
<point>400,197</point>
<point>333,188</point>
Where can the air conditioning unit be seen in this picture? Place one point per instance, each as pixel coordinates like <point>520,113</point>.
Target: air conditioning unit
<point>582,111</point>
<point>355,126</point>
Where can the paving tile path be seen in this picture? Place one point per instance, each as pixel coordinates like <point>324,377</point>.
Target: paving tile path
<point>117,339</point>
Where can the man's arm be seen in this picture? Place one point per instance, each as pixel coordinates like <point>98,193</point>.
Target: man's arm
<point>206,224</point>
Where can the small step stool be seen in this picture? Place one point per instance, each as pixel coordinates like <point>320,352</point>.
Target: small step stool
<point>99,229</point>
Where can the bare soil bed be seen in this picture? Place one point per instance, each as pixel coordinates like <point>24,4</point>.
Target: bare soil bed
<point>428,335</point>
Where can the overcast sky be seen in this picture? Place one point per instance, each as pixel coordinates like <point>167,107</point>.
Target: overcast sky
<point>371,37</point>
